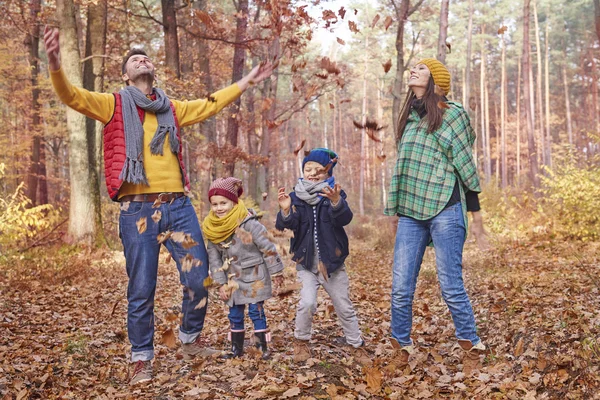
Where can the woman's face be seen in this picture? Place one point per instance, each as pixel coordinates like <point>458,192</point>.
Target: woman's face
<point>220,205</point>
<point>419,79</point>
<point>314,172</point>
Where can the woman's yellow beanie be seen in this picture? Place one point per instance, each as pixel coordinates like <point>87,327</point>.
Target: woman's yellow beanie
<point>439,73</point>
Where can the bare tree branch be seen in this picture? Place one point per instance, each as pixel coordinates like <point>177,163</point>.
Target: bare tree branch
<point>414,8</point>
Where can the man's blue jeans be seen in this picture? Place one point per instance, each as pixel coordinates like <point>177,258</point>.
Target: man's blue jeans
<point>256,312</point>
<point>447,230</point>
<point>141,255</point>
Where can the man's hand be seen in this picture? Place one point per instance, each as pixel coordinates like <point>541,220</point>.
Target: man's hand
<point>284,200</point>
<point>258,74</point>
<point>52,47</point>
<point>334,195</point>
<point>224,292</point>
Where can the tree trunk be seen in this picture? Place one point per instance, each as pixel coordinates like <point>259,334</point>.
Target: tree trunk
<point>567,103</point>
<point>361,188</point>
<point>82,226</point>
<point>398,91</point>
<point>504,167</point>
<point>467,95</point>
<point>252,140</point>
<point>597,17</point>
<point>538,82</point>
<point>527,98</point>
<point>93,78</point>
<point>443,33</point>
<point>239,57</point>
<point>487,162</point>
<point>32,41</point>
<point>518,172</point>
<point>547,90</point>
<point>171,41</point>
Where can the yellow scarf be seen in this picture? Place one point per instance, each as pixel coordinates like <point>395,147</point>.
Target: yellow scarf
<point>217,229</point>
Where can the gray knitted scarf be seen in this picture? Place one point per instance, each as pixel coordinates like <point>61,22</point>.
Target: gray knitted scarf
<point>133,168</point>
<point>309,191</point>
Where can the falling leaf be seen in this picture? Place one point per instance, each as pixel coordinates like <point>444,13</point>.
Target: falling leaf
<point>156,216</point>
<point>375,20</point>
<point>171,317</point>
<point>381,157</point>
<point>353,27</point>
<point>187,263</point>
<point>519,347</point>
<point>387,65</point>
<point>156,203</point>
<point>201,303</point>
<point>329,66</point>
<point>340,41</point>
<point>443,105</point>
<point>266,104</point>
<point>244,235</point>
<point>178,237</point>
<point>125,205</point>
<point>322,76</point>
<point>342,12</point>
<point>168,339</point>
<point>373,377</point>
<point>162,237</point>
<point>502,30</point>
<point>141,225</point>
<point>371,126</point>
<point>449,46</point>
<point>299,147</point>
<point>387,22</point>
<point>331,106</point>
<point>323,270</point>
<point>208,281</point>
<point>264,195</point>
<point>345,101</point>
<point>273,124</point>
<point>355,11</point>
<point>328,15</point>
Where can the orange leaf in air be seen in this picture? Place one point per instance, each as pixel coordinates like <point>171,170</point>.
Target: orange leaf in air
<point>299,147</point>
<point>502,30</point>
<point>387,22</point>
<point>353,27</point>
<point>387,65</point>
<point>342,12</point>
<point>340,41</point>
<point>375,20</point>
<point>141,225</point>
<point>168,339</point>
<point>331,106</point>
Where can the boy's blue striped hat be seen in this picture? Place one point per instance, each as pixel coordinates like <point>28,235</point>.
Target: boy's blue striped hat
<point>327,158</point>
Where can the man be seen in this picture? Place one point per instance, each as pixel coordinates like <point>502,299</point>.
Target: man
<point>144,171</point>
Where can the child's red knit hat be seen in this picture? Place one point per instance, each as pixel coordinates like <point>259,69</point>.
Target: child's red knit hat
<point>230,188</point>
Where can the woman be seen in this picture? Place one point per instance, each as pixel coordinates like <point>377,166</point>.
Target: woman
<point>434,174</point>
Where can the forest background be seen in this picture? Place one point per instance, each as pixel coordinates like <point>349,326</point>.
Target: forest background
<point>527,72</point>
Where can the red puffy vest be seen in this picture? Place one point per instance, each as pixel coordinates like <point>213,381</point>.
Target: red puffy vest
<point>114,150</point>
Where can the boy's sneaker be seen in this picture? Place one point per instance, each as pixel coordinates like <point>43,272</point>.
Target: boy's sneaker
<point>198,348</point>
<point>301,350</point>
<point>142,372</point>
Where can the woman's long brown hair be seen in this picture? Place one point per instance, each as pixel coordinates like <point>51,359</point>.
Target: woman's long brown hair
<point>434,116</point>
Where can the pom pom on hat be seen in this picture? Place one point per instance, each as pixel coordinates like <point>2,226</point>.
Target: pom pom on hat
<point>322,156</point>
<point>439,73</point>
<point>230,188</point>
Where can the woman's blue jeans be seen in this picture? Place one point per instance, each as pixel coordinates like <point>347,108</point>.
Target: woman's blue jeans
<point>141,258</point>
<point>447,231</point>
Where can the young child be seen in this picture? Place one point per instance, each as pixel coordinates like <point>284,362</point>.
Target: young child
<point>242,260</point>
<point>317,211</point>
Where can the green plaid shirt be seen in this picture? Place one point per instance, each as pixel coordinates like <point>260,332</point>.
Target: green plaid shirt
<point>428,165</point>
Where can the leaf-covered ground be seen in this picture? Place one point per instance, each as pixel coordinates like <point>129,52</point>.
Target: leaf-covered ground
<point>62,331</point>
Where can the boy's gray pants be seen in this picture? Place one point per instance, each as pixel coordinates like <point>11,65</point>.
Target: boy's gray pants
<point>337,288</point>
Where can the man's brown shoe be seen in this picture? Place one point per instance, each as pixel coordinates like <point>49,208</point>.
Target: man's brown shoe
<point>142,372</point>
<point>198,348</point>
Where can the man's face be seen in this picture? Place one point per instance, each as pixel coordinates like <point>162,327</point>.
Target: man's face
<point>138,66</point>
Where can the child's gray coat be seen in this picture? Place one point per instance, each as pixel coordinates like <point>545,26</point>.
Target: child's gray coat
<point>247,257</point>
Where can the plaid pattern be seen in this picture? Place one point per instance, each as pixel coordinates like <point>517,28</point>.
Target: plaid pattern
<point>429,164</point>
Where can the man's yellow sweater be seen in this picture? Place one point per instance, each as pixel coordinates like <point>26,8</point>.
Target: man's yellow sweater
<point>163,172</point>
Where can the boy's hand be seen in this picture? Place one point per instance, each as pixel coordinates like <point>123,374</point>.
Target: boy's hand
<point>224,292</point>
<point>284,200</point>
<point>333,194</point>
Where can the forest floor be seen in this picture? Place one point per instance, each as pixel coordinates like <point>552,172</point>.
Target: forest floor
<point>537,305</point>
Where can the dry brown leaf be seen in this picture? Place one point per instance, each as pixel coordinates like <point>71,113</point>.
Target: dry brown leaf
<point>141,225</point>
<point>345,101</point>
<point>331,106</point>
<point>373,377</point>
<point>162,237</point>
<point>187,263</point>
<point>208,281</point>
<point>519,348</point>
<point>266,104</point>
<point>201,303</point>
<point>295,391</point>
<point>387,22</point>
<point>156,203</point>
<point>178,237</point>
<point>387,66</point>
<point>381,157</point>
<point>171,317</point>
<point>340,41</point>
<point>502,30</point>
<point>443,105</point>
<point>329,15</point>
<point>342,12</point>
<point>332,390</point>
<point>168,339</point>
<point>449,46</point>
<point>323,271</point>
<point>375,20</point>
<point>322,76</point>
<point>156,216</point>
<point>125,205</point>
<point>353,27</point>
<point>264,195</point>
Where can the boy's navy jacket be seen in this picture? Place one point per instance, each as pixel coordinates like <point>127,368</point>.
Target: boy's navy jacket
<point>333,241</point>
